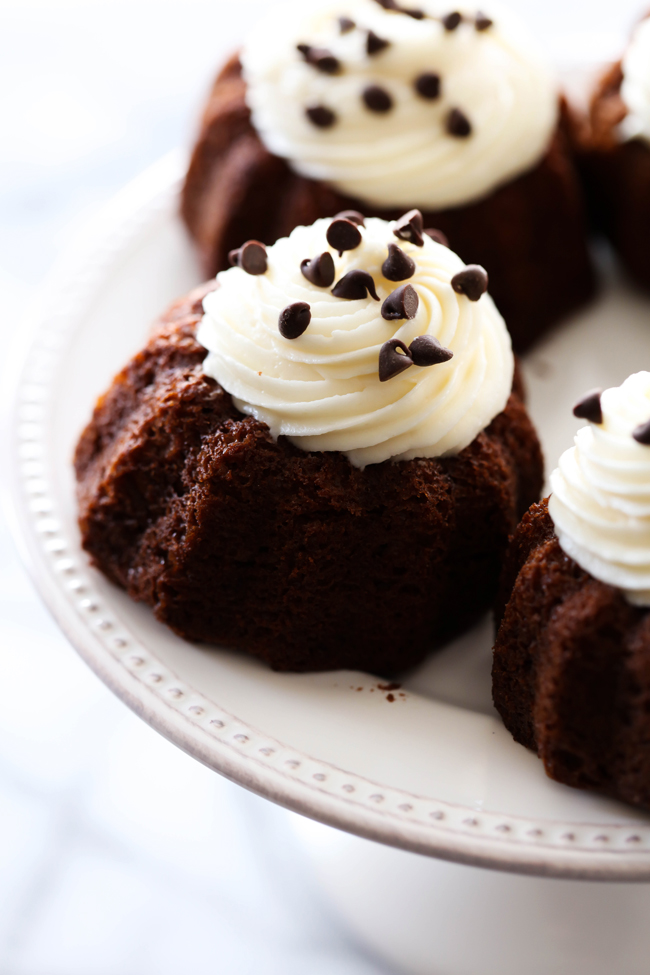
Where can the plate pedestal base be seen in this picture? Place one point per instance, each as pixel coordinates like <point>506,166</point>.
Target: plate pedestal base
<point>430,917</point>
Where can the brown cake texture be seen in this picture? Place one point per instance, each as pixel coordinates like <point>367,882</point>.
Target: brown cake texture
<point>529,234</point>
<point>617,177</point>
<point>571,673</point>
<point>296,557</point>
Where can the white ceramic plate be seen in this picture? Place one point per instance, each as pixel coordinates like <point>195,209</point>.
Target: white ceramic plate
<point>433,770</point>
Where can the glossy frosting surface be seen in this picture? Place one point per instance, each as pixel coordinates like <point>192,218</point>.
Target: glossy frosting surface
<point>403,156</point>
<point>601,493</point>
<point>322,389</point>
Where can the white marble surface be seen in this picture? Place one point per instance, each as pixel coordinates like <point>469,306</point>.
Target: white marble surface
<point>118,853</point>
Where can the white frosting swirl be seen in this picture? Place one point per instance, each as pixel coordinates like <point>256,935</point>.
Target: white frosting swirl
<point>322,390</point>
<point>635,89</point>
<point>404,157</point>
<point>601,493</point>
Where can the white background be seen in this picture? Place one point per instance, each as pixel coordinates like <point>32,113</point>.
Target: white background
<point>118,853</point>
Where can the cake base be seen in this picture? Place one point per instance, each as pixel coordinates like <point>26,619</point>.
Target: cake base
<point>296,557</point>
<point>528,234</point>
<point>571,672</point>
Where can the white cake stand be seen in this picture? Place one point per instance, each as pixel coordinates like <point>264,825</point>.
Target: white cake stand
<point>431,771</point>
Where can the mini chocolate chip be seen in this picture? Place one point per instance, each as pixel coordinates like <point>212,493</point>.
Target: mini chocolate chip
<point>438,236</point>
<point>415,13</point>
<point>343,235</point>
<point>398,266</point>
<point>250,257</point>
<point>409,227</point>
<point>375,44</point>
<point>401,303</point>
<point>320,58</point>
<point>346,25</point>
<point>392,362</point>
<point>589,408</point>
<point>428,85</point>
<point>352,215</point>
<point>319,270</point>
<point>458,124</point>
<point>452,21</point>
<point>355,284</point>
<point>482,22</point>
<point>294,319</point>
<point>321,116</point>
<point>472,282</point>
<point>388,4</point>
<point>642,433</point>
<point>426,350</point>
<point>377,99</point>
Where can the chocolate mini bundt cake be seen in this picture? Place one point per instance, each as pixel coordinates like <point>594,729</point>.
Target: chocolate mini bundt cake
<point>571,673</point>
<point>614,156</point>
<point>237,517</point>
<point>382,111</point>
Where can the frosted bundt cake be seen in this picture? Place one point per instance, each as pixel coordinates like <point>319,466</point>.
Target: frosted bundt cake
<point>571,675</point>
<point>318,460</point>
<point>382,107</point>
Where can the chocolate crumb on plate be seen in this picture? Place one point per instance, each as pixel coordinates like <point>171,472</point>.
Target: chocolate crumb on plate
<point>642,433</point>
<point>427,85</point>
<point>472,282</point>
<point>352,215</point>
<point>458,124</point>
<point>294,319</point>
<point>482,22</point>
<point>377,99</point>
<point>319,270</point>
<point>375,44</point>
<point>355,284</point>
<point>452,21</point>
<point>398,266</point>
<point>409,227</point>
<point>343,235</point>
<point>250,257</point>
<point>346,25</point>
<point>320,116</point>
<point>589,408</point>
<point>401,304</point>
<point>392,361</point>
<point>426,350</point>
<point>437,235</point>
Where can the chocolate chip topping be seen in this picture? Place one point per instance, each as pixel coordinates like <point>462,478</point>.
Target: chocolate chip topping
<point>377,99</point>
<point>346,25</point>
<point>294,319</point>
<point>458,124</point>
<point>409,227</point>
<point>438,236</point>
<point>452,20</point>
<point>352,215</point>
<point>320,116</point>
<point>589,408</point>
<point>401,303</point>
<point>642,433</point>
<point>321,59</point>
<point>426,350</point>
<point>343,235</point>
<point>388,4</point>
<point>482,22</point>
<point>428,85</point>
<point>375,44</point>
<point>250,257</point>
<point>414,12</point>
<point>472,282</point>
<point>319,270</point>
<point>398,266</point>
<point>355,284</point>
<point>392,362</point>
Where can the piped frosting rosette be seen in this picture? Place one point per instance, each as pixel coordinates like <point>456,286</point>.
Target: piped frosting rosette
<point>346,378</point>
<point>400,104</point>
<point>601,490</point>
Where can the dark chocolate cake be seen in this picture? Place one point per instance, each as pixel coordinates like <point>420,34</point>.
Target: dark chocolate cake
<point>529,234</point>
<point>297,557</point>
<point>571,674</point>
